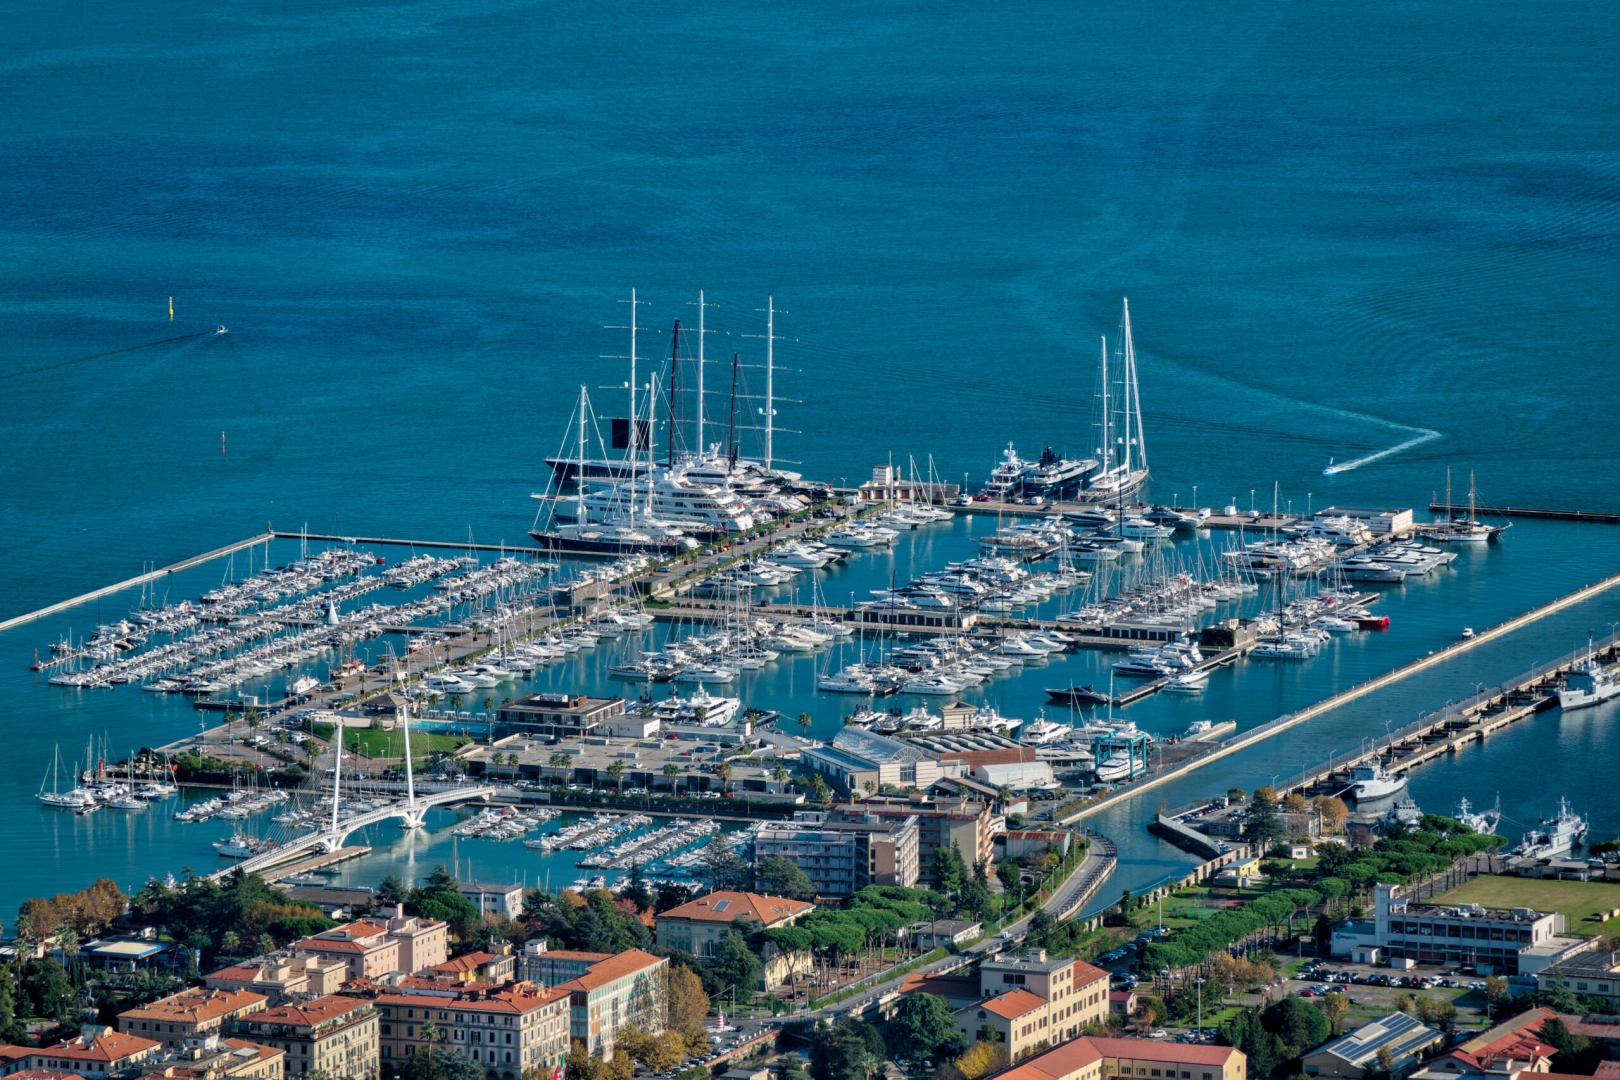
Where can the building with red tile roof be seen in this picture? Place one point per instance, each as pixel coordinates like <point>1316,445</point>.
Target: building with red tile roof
<point>334,1034</point>
<point>380,945</point>
<point>280,976</point>
<point>699,926</point>
<point>1089,1058</point>
<point>624,990</point>
<point>507,1029</point>
<point>95,1052</point>
<point>188,1014</point>
<point>1031,998</point>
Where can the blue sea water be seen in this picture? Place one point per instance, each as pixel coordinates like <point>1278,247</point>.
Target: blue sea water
<point>417,219</point>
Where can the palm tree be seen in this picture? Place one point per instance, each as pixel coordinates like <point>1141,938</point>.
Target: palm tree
<point>672,770</point>
<point>431,1032</point>
<point>724,773</point>
<point>489,703</point>
<point>254,720</point>
<point>615,775</point>
<point>230,722</point>
<point>804,723</point>
<point>560,761</point>
<point>780,773</point>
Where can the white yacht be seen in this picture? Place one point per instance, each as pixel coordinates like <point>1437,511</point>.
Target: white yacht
<point>1041,732</point>
<point>1115,766</point>
<point>671,496</point>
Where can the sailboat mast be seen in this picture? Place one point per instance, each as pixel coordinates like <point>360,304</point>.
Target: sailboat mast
<point>674,368</point>
<point>1136,391</point>
<point>1125,381</point>
<point>731,432</point>
<point>770,373</point>
<point>701,445</point>
<point>1107,448</point>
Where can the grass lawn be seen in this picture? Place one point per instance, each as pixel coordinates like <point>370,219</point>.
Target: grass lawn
<point>1577,900</point>
<point>391,744</point>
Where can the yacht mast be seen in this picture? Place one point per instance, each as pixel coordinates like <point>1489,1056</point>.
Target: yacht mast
<point>1125,388</point>
<point>770,375</point>
<point>770,372</point>
<point>702,447</point>
<point>1107,448</point>
<point>1136,391</point>
<point>579,472</point>
<point>674,368</point>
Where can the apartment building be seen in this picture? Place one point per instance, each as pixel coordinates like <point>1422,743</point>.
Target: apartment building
<point>336,1035</point>
<point>1030,999</point>
<point>493,901</point>
<point>968,824</point>
<point>376,946</point>
<point>189,1014</point>
<point>507,1030</point>
<point>842,856</point>
<point>280,976</point>
<point>551,967</point>
<point>627,989</point>
<point>95,1053</point>
<point>214,1058</point>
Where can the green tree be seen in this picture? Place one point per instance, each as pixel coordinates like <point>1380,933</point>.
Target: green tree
<point>804,723</point>
<point>949,868</point>
<point>723,771</point>
<point>923,1028</point>
<point>1297,1025</point>
<point>615,775</point>
<point>1265,824</point>
<point>1010,875</point>
<point>975,898</point>
<point>50,990</point>
<point>230,943</point>
<point>736,963</point>
<point>392,890</point>
<point>849,1050</point>
<point>780,876</point>
<point>672,770</point>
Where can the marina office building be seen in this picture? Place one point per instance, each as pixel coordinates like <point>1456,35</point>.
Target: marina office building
<point>843,856</point>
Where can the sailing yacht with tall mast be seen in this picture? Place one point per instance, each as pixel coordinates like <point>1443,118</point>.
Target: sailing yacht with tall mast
<point>1123,453</point>
<point>1455,530</point>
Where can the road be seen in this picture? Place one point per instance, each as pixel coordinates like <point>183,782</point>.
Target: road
<point>1063,903</point>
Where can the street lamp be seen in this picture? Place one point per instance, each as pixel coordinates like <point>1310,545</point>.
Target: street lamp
<point>1200,983</point>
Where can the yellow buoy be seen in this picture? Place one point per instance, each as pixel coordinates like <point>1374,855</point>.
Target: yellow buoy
<point>171,309</point>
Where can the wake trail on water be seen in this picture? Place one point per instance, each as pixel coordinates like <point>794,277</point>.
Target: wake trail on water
<point>104,355</point>
<point>1422,435</point>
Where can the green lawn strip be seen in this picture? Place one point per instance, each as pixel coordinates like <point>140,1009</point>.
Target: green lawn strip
<point>374,743</point>
<point>1578,901</point>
